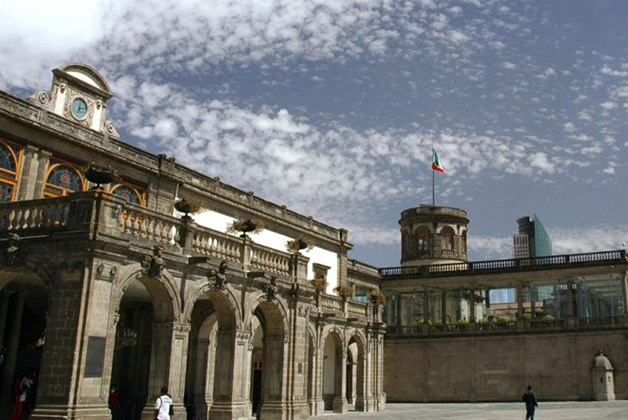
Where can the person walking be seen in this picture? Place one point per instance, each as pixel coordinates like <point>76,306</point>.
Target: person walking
<point>163,406</point>
<point>114,402</point>
<point>530,399</point>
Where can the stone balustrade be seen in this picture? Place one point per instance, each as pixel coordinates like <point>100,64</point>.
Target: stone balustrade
<point>520,326</point>
<point>270,260</point>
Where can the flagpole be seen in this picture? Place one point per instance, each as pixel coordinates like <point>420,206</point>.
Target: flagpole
<point>433,194</point>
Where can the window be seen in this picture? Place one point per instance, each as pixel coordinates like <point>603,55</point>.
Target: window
<point>63,178</point>
<point>320,271</point>
<point>447,237</point>
<point>423,240</point>
<point>128,193</point>
<point>10,156</point>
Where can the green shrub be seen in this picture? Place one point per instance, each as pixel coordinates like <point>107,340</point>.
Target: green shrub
<point>462,322</point>
<point>503,319</point>
<point>527,316</point>
<point>548,317</point>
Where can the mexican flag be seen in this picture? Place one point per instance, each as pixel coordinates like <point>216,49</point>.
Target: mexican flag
<point>436,166</point>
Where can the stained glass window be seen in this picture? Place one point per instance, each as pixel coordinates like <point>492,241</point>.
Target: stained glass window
<point>128,194</point>
<point>66,177</point>
<point>9,158</point>
<point>6,192</point>
<point>7,161</point>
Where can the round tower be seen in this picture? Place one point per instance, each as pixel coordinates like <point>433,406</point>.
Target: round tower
<point>433,235</point>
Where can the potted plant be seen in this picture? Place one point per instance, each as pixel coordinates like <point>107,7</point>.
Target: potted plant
<point>297,245</point>
<point>99,175</point>
<point>319,283</point>
<point>244,227</point>
<point>187,206</point>
<point>344,291</point>
<point>377,297</point>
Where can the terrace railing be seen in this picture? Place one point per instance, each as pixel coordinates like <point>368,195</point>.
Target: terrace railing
<point>520,326</point>
<point>510,265</point>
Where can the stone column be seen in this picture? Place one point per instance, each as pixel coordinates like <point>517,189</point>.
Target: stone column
<point>10,358</point>
<point>362,398</point>
<point>167,366</point>
<point>40,179</point>
<point>28,174</point>
<point>443,306</point>
<point>571,310</point>
<point>471,305</point>
<point>203,378</point>
<point>426,307</point>
<point>519,301</point>
<point>274,387</point>
<point>340,398</point>
<point>4,307</point>
<point>229,401</point>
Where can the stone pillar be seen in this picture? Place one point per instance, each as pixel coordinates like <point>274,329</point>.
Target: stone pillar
<point>40,178</point>
<point>399,321</point>
<point>471,305</point>
<point>203,378</point>
<point>519,301</point>
<point>4,307</point>
<point>273,404</point>
<point>229,401</point>
<point>362,401</point>
<point>443,306</point>
<point>340,398</point>
<point>624,289</point>
<point>167,366</point>
<point>10,358</point>
<point>571,310</point>
<point>426,307</point>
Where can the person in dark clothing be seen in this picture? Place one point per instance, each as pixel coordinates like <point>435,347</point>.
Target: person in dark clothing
<point>530,399</point>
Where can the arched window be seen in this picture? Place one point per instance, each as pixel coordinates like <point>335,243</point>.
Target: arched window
<point>63,179</point>
<point>464,241</point>
<point>9,165</point>
<point>127,193</point>
<point>423,240</point>
<point>447,239</point>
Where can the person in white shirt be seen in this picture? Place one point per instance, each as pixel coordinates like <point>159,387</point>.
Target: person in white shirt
<point>163,406</point>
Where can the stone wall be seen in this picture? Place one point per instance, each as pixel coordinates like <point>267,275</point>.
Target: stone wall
<point>497,368</point>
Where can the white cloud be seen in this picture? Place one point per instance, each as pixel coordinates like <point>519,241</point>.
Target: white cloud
<point>564,241</point>
<point>509,65</point>
<point>547,73</point>
<point>610,72</point>
<point>608,105</point>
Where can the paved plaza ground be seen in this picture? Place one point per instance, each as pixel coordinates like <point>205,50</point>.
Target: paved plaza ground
<point>615,410</point>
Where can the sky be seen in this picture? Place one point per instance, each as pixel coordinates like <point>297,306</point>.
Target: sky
<point>331,107</point>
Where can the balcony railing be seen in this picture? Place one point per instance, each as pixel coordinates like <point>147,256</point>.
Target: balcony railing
<point>521,326</point>
<point>511,265</point>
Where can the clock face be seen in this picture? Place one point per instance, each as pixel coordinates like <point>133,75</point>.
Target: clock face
<point>79,108</point>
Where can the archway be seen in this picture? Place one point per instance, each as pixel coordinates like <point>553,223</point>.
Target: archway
<point>143,345</point>
<point>267,387</point>
<point>356,349</point>
<point>24,300</point>
<point>334,374</point>
<point>210,384</point>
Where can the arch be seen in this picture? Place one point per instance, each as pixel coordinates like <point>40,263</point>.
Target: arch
<point>259,298</point>
<point>422,227</point>
<point>422,234</point>
<point>334,370</point>
<point>128,193</point>
<point>63,178</point>
<point>9,169</point>
<point>270,379</point>
<point>164,294</point>
<point>447,238</point>
<point>224,301</point>
<point>86,74</point>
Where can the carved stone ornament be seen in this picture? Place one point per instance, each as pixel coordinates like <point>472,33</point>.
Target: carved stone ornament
<point>40,97</point>
<point>271,289</point>
<point>14,253</point>
<point>153,266</point>
<point>110,129</point>
<point>218,279</point>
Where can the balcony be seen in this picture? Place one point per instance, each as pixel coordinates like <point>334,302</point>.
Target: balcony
<point>102,216</point>
<point>505,266</point>
<point>521,326</point>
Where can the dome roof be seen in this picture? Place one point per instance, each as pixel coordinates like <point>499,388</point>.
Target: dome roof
<point>602,361</point>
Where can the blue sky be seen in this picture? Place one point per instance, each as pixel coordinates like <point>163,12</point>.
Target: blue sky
<point>332,106</point>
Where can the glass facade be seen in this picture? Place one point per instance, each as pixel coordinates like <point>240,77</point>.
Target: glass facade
<point>542,241</point>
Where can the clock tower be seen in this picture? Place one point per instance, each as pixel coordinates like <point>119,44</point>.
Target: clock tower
<point>79,93</point>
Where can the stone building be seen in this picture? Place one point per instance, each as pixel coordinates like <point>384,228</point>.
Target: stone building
<point>103,282</point>
<point>459,345</point>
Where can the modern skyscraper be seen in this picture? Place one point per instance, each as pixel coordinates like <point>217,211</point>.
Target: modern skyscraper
<point>532,239</point>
